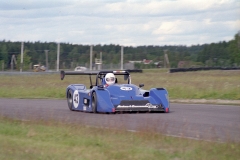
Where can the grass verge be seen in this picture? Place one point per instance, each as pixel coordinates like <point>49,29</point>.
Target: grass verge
<point>55,140</point>
<point>188,85</point>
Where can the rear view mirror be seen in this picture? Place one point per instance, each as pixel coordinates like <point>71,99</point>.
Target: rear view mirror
<point>100,87</point>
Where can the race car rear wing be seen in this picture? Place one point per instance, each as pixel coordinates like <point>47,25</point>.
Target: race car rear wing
<point>100,74</point>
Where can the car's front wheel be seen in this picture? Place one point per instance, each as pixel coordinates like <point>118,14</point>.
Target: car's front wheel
<point>70,99</point>
<point>94,102</point>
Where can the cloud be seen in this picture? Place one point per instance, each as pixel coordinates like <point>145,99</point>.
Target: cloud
<point>126,22</point>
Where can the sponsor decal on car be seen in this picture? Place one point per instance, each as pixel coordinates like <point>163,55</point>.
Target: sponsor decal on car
<point>148,105</point>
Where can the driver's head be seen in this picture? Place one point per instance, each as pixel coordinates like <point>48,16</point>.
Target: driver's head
<point>110,78</point>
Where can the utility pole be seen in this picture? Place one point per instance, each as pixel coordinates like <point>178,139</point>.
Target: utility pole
<point>91,48</point>
<point>46,54</point>
<point>13,60</point>
<point>121,57</point>
<point>166,60</point>
<point>58,53</point>
<point>100,60</point>
<point>21,65</point>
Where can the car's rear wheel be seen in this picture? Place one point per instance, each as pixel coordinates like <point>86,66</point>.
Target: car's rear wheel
<point>94,102</point>
<point>70,99</point>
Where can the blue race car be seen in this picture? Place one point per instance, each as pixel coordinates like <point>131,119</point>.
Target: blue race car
<point>125,97</point>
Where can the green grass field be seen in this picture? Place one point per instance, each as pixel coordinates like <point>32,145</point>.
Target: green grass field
<point>57,140</point>
<point>188,85</point>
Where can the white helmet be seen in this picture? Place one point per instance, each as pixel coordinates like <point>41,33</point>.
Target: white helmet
<point>110,78</point>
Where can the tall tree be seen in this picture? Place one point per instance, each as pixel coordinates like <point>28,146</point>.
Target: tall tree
<point>4,53</point>
<point>234,50</point>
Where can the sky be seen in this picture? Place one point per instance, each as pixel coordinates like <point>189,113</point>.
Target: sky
<point>120,22</point>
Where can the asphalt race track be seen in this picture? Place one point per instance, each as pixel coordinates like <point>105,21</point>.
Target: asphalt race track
<point>197,121</point>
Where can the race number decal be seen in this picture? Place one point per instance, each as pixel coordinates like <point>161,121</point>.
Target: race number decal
<point>75,99</point>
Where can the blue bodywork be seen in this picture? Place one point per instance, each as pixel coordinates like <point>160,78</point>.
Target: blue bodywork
<point>116,97</point>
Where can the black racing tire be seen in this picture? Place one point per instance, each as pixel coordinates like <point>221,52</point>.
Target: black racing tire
<point>94,102</point>
<point>70,99</point>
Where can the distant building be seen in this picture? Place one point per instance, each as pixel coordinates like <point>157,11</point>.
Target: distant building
<point>159,64</point>
<point>135,61</point>
<point>144,61</point>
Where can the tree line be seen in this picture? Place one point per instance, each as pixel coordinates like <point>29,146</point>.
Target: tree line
<point>224,54</point>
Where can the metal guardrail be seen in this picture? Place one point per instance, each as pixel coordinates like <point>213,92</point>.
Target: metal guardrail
<point>26,73</point>
<point>172,70</point>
